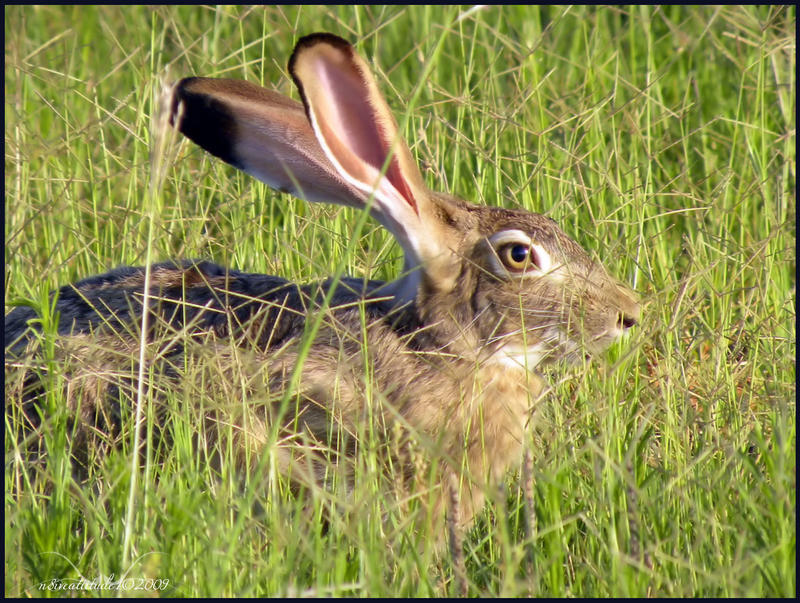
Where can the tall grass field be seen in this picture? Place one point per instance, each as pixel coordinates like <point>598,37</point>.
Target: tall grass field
<point>662,139</point>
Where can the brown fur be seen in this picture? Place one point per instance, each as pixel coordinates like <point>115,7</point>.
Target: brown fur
<point>438,366</point>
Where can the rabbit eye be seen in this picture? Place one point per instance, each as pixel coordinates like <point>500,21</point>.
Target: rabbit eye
<point>518,257</point>
<point>514,252</point>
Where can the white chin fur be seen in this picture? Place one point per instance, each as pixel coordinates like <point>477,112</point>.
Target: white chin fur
<point>516,357</point>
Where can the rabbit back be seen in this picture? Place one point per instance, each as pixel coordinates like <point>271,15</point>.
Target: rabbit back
<point>197,295</point>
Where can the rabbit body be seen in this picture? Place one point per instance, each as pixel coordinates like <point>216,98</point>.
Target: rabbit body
<point>442,360</point>
<point>472,417</point>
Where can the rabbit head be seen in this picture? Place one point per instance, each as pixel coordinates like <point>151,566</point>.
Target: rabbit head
<point>489,284</point>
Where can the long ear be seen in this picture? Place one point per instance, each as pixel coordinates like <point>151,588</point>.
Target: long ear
<point>262,133</point>
<point>358,134</point>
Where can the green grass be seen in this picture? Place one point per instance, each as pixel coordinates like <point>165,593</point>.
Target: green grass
<point>662,139</point>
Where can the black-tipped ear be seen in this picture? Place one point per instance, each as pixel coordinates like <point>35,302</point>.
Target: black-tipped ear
<point>261,132</point>
<point>205,119</point>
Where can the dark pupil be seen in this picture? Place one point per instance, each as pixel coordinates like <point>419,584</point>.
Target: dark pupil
<point>519,253</point>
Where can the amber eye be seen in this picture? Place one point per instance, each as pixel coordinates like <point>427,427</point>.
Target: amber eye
<point>518,257</point>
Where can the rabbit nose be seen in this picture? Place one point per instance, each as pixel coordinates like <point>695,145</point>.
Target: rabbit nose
<point>627,307</point>
<point>625,321</point>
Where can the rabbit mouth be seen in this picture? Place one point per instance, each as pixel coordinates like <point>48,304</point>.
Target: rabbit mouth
<point>601,342</point>
<point>553,347</point>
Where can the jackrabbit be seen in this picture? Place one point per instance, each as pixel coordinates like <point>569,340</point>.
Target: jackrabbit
<point>445,356</point>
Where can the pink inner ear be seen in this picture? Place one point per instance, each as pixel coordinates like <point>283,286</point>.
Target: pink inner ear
<point>354,130</point>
